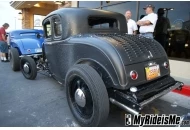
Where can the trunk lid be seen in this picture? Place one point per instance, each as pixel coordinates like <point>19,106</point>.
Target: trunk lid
<point>29,43</point>
<point>134,48</point>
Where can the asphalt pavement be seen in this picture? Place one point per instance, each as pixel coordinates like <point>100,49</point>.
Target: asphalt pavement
<point>42,103</point>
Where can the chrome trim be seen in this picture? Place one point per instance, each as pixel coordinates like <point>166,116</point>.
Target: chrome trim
<point>80,97</point>
<point>30,55</point>
<point>165,65</point>
<point>26,68</point>
<point>178,84</point>
<point>123,106</point>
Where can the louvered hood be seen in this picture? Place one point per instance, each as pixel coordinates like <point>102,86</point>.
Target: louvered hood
<point>134,49</point>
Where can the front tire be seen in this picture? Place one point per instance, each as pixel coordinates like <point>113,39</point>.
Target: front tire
<point>87,96</point>
<point>14,59</point>
<point>28,67</point>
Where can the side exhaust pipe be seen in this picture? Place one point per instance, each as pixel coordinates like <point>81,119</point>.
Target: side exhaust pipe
<point>123,106</point>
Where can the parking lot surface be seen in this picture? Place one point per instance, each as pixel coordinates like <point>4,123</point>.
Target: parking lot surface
<point>42,103</point>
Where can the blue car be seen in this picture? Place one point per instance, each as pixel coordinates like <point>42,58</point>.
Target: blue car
<point>25,42</point>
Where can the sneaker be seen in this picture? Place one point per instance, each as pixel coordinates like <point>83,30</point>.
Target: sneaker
<point>6,60</point>
<point>2,60</point>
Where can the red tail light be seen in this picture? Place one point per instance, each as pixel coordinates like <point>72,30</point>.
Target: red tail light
<point>134,75</point>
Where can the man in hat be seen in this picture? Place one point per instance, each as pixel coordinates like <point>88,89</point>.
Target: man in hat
<point>161,29</point>
<point>148,23</point>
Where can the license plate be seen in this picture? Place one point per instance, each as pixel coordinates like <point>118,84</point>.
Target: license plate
<point>152,72</point>
<point>38,50</point>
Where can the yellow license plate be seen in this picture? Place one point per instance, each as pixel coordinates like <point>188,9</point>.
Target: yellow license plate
<point>152,72</point>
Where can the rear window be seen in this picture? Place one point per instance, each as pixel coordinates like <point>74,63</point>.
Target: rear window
<point>102,23</point>
<point>28,34</point>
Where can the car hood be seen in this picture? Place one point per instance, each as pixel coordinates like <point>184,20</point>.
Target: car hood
<point>29,43</point>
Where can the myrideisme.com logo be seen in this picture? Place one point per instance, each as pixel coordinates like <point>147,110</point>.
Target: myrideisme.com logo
<point>150,119</point>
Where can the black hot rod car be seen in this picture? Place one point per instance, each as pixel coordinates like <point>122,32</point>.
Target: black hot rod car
<point>90,52</point>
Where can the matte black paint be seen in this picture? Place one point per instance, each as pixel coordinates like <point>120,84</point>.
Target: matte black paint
<point>113,53</point>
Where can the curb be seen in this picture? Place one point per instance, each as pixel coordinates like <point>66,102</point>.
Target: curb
<point>184,91</point>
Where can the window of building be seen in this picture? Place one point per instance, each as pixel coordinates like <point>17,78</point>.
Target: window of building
<point>123,7</point>
<point>102,23</point>
<point>90,4</point>
<point>38,21</point>
<point>178,40</point>
<point>47,29</point>
<point>57,27</point>
<point>178,13</point>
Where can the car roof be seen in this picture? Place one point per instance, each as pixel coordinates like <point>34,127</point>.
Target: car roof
<point>25,30</point>
<point>83,11</point>
<point>75,20</point>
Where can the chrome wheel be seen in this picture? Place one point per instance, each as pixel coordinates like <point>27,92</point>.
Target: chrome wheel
<point>81,98</point>
<point>26,68</point>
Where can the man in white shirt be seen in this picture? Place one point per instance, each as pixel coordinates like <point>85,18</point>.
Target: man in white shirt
<point>148,23</point>
<point>131,24</point>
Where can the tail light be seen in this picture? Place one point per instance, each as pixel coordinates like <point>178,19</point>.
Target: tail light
<point>166,65</point>
<point>134,75</point>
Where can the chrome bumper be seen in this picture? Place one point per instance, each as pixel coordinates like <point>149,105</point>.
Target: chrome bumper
<point>177,85</point>
<point>140,105</point>
<point>35,55</point>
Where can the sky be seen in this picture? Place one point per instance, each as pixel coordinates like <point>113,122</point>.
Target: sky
<point>9,15</point>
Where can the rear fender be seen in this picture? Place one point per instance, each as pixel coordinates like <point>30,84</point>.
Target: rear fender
<point>102,71</point>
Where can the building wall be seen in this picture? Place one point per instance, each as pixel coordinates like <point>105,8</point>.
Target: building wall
<point>180,69</point>
<point>38,11</point>
<point>42,9</point>
<point>181,12</point>
<point>26,18</point>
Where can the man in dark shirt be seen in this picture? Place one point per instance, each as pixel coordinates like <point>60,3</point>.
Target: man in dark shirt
<point>3,42</point>
<point>161,29</point>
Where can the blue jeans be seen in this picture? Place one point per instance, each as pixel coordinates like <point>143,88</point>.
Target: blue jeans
<point>147,35</point>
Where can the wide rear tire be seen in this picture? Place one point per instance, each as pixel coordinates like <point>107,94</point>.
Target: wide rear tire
<point>14,59</point>
<point>87,96</point>
<point>28,67</point>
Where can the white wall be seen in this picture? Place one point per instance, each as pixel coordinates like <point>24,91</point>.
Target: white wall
<point>180,69</point>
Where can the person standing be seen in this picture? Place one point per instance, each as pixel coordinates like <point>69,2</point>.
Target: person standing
<point>138,25</point>
<point>131,24</point>
<point>3,42</point>
<point>148,23</point>
<point>161,29</point>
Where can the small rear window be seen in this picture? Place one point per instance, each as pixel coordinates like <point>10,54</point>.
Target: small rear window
<point>102,23</point>
<point>28,34</point>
